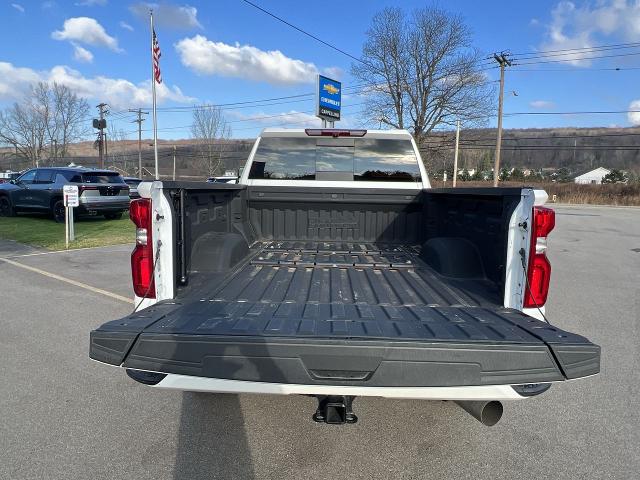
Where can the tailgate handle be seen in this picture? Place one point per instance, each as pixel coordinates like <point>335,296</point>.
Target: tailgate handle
<point>350,375</point>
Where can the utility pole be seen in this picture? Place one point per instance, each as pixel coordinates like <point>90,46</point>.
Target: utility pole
<point>101,125</point>
<point>503,61</point>
<point>174,162</point>
<point>139,121</point>
<point>455,157</point>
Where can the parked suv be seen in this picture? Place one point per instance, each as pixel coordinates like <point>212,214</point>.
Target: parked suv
<point>101,192</point>
<point>133,186</point>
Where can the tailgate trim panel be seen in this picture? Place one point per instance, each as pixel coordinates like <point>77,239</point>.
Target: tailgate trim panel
<point>399,364</point>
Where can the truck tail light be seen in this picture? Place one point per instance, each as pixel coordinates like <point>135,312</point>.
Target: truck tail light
<point>334,132</point>
<point>142,255</point>
<point>539,268</point>
<point>82,188</point>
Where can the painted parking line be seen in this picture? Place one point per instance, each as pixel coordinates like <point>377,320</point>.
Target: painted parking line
<point>73,250</point>
<point>68,280</point>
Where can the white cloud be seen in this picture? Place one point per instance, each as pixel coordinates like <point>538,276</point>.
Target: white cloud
<point>82,54</point>
<point>292,117</point>
<point>18,7</point>
<point>634,117</point>
<point>584,26</point>
<point>333,72</point>
<point>119,93</point>
<point>86,30</point>
<point>91,3</point>
<point>126,26</point>
<point>184,17</point>
<point>542,104</point>
<point>216,58</point>
<point>14,80</point>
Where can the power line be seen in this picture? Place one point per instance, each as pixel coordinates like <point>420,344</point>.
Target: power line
<point>587,112</point>
<point>585,52</point>
<point>573,70</point>
<point>516,60</point>
<point>597,47</point>
<point>310,35</point>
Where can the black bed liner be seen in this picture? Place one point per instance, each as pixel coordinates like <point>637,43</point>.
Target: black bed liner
<point>345,314</point>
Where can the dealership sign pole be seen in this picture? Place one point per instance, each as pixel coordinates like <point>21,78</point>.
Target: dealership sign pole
<point>329,100</point>
<point>71,199</point>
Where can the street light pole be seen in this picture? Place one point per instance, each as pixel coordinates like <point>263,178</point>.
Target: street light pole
<point>455,157</point>
<point>174,162</point>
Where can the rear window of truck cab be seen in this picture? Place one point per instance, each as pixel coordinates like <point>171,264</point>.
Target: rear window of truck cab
<point>347,159</point>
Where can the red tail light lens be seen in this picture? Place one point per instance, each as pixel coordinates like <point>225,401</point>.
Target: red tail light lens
<point>334,132</point>
<point>544,220</point>
<point>539,269</point>
<point>142,255</point>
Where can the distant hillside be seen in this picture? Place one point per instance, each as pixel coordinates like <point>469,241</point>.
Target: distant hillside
<point>579,149</point>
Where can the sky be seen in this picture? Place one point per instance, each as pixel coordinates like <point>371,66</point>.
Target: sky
<point>227,51</point>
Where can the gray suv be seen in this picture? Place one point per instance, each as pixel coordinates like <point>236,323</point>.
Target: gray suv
<point>101,192</point>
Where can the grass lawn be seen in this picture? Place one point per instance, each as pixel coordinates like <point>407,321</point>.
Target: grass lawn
<point>44,232</point>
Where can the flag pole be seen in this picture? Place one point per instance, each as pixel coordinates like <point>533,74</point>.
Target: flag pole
<point>153,93</point>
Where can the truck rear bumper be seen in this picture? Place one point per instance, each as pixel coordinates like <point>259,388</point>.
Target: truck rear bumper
<point>218,385</point>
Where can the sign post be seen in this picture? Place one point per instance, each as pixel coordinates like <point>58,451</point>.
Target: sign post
<point>329,100</point>
<point>71,199</point>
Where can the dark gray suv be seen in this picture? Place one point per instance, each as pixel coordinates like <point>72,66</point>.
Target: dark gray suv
<point>101,192</point>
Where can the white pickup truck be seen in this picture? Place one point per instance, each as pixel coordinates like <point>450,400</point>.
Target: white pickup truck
<point>332,269</point>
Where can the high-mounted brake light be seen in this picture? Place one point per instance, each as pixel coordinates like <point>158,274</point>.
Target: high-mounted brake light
<point>539,268</point>
<point>142,255</point>
<point>332,132</point>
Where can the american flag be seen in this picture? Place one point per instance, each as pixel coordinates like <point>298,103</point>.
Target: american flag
<point>156,58</point>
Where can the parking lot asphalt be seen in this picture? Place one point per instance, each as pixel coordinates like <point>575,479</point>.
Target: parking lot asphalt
<point>64,416</point>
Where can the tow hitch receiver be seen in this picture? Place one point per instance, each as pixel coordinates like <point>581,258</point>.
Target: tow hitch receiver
<point>335,410</point>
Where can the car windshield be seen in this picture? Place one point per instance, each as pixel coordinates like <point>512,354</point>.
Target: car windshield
<point>101,177</point>
<point>313,158</point>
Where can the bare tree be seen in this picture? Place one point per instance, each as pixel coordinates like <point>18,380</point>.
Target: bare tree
<point>211,132</point>
<point>422,71</point>
<point>70,115</point>
<point>44,122</point>
<point>24,126</point>
<point>118,155</point>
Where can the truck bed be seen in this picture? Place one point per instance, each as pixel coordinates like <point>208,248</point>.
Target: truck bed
<point>343,313</point>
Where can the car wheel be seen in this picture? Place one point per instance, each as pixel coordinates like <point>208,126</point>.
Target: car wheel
<point>58,211</point>
<point>113,216</point>
<point>6,209</point>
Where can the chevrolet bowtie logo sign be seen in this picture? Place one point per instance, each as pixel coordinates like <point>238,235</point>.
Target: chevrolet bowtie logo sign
<point>330,88</point>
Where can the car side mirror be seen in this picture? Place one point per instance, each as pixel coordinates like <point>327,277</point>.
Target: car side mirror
<point>13,182</point>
